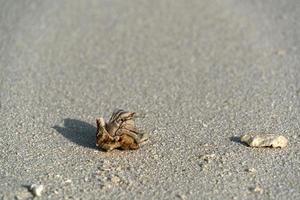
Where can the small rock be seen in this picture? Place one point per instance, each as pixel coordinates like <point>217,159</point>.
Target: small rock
<point>208,157</point>
<point>107,186</point>
<point>264,140</point>
<point>203,166</point>
<point>181,196</point>
<point>57,176</point>
<point>36,189</point>
<point>257,189</point>
<point>115,179</point>
<point>251,170</point>
<point>68,181</point>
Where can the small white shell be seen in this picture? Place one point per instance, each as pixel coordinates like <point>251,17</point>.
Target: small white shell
<point>264,140</point>
<point>36,189</point>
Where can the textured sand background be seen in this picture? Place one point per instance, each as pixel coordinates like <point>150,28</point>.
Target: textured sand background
<point>204,72</point>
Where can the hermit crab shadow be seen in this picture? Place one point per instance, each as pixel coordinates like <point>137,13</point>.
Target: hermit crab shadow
<point>237,140</point>
<point>79,132</point>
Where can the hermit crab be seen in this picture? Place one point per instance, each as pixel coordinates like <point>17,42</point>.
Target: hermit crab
<point>119,132</point>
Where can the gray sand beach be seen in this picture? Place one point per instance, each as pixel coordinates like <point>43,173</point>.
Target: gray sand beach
<point>203,73</point>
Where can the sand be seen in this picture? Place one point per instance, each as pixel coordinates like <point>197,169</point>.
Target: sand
<point>203,72</point>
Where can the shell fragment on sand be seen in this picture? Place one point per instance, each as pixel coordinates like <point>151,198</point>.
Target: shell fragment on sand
<point>264,140</point>
<point>36,189</point>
